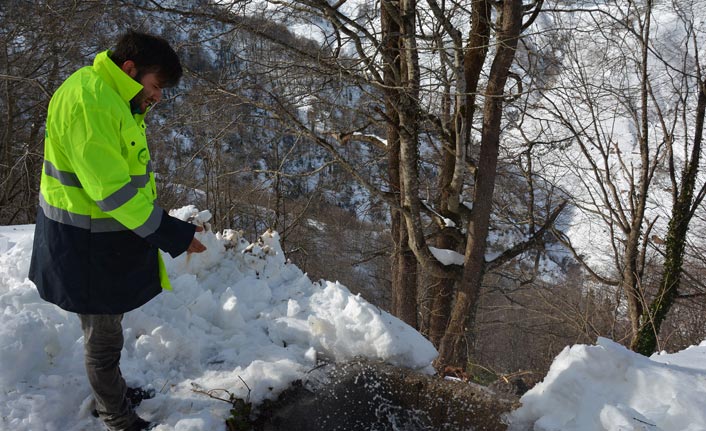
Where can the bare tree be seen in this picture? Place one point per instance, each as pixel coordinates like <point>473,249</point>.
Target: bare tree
<point>623,118</point>
<point>385,65</point>
<point>686,198</point>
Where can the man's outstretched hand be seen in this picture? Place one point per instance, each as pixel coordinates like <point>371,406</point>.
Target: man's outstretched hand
<point>196,246</point>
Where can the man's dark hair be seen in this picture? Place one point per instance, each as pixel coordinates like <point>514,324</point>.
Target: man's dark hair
<point>150,53</point>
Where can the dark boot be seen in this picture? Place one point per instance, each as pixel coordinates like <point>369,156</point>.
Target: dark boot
<point>141,425</point>
<point>136,395</point>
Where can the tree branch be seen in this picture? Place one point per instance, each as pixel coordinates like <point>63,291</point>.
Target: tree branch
<point>533,240</point>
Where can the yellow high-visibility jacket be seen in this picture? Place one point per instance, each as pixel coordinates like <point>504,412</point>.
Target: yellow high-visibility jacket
<point>98,228</point>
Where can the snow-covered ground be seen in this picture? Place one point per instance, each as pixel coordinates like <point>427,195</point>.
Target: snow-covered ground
<point>608,387</point>
<point>240,314</point>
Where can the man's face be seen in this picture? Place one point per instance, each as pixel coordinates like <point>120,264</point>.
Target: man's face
<point>150,94</point>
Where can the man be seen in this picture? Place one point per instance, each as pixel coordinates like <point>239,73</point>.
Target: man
<point>98,228</point>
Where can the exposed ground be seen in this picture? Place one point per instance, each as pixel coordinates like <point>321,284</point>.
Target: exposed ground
<point>364,396</point>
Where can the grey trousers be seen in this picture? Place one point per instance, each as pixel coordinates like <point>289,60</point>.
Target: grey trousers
<point>103,341</point>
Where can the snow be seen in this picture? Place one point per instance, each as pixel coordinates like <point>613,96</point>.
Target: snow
<point>608,387</point>
<point>447,257</point>
<point>374,138</point>
<point>241,314</point>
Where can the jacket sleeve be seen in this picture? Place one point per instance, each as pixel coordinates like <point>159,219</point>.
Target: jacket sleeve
<point>96,153</point>
<point>172,235</point>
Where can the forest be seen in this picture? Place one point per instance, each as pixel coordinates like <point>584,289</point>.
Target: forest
<point>507,177</point>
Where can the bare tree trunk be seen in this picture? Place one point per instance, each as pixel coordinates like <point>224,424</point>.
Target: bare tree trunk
<point>408,114</point>
<point>630,280</point>
<point>441,293</point>
<point>474,59</point>
<point>451,178</point>
<point>403,261</point>
<point>454,344</point>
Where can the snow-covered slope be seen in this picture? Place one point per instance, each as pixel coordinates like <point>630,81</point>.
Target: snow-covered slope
<point>239,315</point>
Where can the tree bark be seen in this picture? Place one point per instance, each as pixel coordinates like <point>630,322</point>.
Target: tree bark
<point>403,261</point>
<point>474,59</point>
<point>408,114</point>
<point>630,279</point>
<point>441,298</point>
<point>451,178</point>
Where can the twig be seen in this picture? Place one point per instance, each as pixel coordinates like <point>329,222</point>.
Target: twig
<point>646,423</point>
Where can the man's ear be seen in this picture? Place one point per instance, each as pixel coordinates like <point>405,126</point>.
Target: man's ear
<point>129,68</point>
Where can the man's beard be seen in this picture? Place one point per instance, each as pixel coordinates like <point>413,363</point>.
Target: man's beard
<point>136,103</point>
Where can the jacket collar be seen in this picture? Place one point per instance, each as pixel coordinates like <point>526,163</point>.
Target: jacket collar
<point>118,80</point>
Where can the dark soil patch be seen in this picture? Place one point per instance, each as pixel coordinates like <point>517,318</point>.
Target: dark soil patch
<point>364,396</point>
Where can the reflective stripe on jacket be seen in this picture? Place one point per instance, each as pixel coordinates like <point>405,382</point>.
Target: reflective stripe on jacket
<point>98,228</point>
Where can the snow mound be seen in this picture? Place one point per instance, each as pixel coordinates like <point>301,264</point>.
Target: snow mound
<point>608,387</point>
